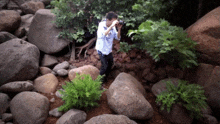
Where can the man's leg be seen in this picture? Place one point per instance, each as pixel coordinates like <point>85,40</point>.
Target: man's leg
<point>104,65</point>
<point>110,63</point>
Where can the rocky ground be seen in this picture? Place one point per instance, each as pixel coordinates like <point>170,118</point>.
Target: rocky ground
<point>33,65</point>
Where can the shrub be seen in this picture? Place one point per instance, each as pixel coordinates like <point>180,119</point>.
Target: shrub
<point>78,14</point>
<point>191,96</point>
<point>167,42</point>
<point>81,92</point>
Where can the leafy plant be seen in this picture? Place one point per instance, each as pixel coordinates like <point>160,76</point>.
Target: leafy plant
<point>124,47</point>
<point>78,14</point>
<point>191,96</point>
<point>167,42</point>
<point>81,92</point>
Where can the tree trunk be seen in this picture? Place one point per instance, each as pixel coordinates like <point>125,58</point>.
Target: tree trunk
<point>73,53</point>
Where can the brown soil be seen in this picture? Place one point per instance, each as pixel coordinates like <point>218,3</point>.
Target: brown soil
<point>103,107</point>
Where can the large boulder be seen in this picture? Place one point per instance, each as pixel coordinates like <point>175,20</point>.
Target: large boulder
<point>206,33</point>
<point>21,61</point>
<point>5,36</point>
<point>126,96</point>
<point>110,119</point>
<point>44,34</point>
<point>9,20</point>
<point>73,116</point>
<point>178,113</point>
<point>4,103</point>
<point>86,69</point>
<point>46,83</point>
<point>29,108</point>
<point>31,7</point>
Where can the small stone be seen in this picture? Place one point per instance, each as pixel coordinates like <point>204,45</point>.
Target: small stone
<point>58,93</point>
<point>63,65</point>
<point>49,60</point>
<point>2,122</point>
<point>72,67</point>
<point>55,113</point>
<point>7,117</point>
<point>9,123</point>
<point>62,72</point>
<point>54,73</point>
<point>45,70</point>
<point>52,100</point>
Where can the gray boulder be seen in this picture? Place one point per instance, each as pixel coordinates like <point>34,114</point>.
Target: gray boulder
<point>73,116</point>
<point>110,119</point>
<point>21,61</point>
<point>9,20</point>
<point>17,86</point>
<point>29,108</point>
<point>4,103</point>
<point>126,96</point>
<point>5,36</point>
<point>44,34</point>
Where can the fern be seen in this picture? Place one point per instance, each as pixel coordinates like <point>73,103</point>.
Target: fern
<point>166,42</point>
<point>81,92</point>
<point>191,96</point>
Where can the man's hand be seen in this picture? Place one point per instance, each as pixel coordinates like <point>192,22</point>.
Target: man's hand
<point>119,26</point>
<point>114,23</point>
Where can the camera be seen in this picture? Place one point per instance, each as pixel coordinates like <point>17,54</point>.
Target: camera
<point>121,22</point>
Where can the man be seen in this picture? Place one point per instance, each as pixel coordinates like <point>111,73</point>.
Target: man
<point>106,33</point>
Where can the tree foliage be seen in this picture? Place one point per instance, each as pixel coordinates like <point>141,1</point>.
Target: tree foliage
<point>74,16</point>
